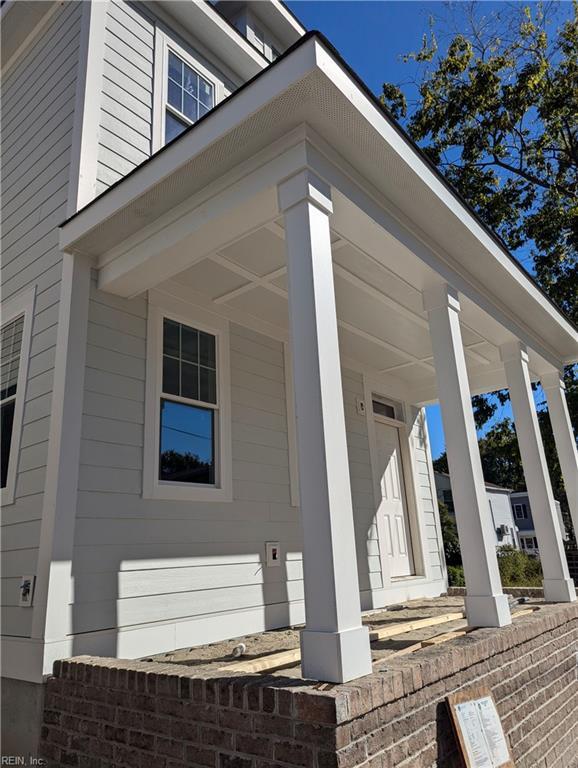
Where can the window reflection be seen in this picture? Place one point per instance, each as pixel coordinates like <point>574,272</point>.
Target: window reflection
<point>187,445</point>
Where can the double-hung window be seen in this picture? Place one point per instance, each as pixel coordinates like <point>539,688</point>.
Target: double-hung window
<point>187,444</point>
<point>15,335</point>
<point>189,96</point>
<point>184,90</point>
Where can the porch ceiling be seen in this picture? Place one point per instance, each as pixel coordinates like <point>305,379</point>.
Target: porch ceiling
<point>205,209</point>
<point>382,326</point>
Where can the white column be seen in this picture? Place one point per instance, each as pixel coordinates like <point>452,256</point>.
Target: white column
<point>486,605</point>
<point>334,644</point>
<point>558,586</point>
<point>553,386</point>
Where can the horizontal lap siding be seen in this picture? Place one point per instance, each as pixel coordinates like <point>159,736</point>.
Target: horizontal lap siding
<point>37,118</point>
<point>366,537</point>
<point>138,561</point>
<point>432,546</point>
<point>127,86</point>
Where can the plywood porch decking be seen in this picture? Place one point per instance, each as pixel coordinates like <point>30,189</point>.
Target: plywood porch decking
<point>213,657</point>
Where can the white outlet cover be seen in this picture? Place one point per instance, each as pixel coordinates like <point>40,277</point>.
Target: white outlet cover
<point>273,554</point>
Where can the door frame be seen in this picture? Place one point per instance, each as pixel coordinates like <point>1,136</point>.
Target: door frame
<point>372,390</point>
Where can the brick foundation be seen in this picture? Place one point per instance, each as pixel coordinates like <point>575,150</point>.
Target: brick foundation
<point>101,713</point>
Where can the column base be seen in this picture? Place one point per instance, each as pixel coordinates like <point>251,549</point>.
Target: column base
<point>335,657</point>
<point>559,591</point>
<point>488,610</point>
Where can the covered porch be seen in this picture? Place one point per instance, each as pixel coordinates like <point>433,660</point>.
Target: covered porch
<point>298,210</point>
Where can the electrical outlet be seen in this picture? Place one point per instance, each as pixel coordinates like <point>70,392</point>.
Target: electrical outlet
<point>273,554</point>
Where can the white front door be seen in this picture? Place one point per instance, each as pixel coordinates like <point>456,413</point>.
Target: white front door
<point>393,505</point>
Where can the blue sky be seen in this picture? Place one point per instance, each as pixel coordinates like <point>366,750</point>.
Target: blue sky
<point>372,37</point>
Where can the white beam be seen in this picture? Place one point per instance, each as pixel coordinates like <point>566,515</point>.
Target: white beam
<point>555,389</point>
<point>486,605</point>
<point>334,644</point>
<point>558,586</point>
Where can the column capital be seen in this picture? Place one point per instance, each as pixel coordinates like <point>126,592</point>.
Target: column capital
<point>304,185</point>
<point>513,351</point>
<point>440,296</point>
<point>553,380</point>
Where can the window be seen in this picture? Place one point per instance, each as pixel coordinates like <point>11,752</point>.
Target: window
<point>189,96</point>
<point>187,434</point>
<point>185,89</point>
<point>14,348</point>
<point>387,408</point>
<point>187,426</point>
<point>520,512</point>
<point>10,346</point>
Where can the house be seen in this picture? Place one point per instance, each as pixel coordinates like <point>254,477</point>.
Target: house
<point>522,512</point>
<point>230,285</point>
<point>501,512</point>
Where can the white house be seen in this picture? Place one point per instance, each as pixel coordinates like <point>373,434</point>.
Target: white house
<point>499,508</point>
<point>229,286</point>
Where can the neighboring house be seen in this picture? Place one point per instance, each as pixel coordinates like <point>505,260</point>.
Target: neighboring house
<point>229,287</point>
<point>522,512</point>
<point>499,503</point>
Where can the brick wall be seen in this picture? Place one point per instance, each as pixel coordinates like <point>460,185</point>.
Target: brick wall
<point>104,712</point>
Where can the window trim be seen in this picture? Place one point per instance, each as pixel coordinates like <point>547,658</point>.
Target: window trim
<point>21,304</point>
<point>163,44</point>
<point>159,307</point>
<point>520,511</point>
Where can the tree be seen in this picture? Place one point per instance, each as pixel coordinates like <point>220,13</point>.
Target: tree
<point>497,113</point>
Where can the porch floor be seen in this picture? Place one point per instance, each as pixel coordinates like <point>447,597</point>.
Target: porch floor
<point>207,659</point>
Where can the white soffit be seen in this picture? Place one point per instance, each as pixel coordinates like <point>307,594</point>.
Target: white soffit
<point>311,86</point>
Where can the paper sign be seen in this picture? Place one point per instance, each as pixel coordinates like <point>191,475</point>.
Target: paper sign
<point>479,730</point>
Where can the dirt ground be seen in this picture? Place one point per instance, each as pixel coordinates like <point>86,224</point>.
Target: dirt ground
<point>220,655</point>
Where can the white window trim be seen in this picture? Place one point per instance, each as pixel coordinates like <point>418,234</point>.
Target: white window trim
<point>161,306</point>
<point>164,43</point>
<point>21,304</point>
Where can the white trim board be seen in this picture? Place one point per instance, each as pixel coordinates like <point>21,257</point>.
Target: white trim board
<point>20,304</point>
<point>189,314</point>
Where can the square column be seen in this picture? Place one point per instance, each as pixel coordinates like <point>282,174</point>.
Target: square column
<point>334,644</point>
<point>553,386</point>
<point>486,605</point>
<point>558,586</point>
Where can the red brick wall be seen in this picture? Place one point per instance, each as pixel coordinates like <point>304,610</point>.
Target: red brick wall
<point>101,713</point>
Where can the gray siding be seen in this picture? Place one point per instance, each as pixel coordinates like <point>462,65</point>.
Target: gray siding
<point>126,118</point>
<point>37,116</point>
<point>127,87</point>
<point>366,537</point>
<point>141,560</point>
<point>138,561</point>
<point>427,499</point>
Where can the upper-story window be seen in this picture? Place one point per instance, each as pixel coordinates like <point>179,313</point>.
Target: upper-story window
<point>189,96</point>
<point>185,89</point>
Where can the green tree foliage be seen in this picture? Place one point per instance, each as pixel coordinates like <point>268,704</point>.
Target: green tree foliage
<point>500,453</point>
<point>450,537</point>
<point>497,112</point>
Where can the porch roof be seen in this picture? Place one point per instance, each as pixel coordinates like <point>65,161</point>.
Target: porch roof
<point>311,85</point>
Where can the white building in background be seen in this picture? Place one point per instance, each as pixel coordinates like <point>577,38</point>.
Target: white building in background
<point>499,507</point>
<point>230,285</point>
